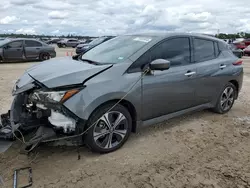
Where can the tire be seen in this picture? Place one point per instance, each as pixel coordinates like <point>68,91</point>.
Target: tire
<point>44,56</point>
<point>101,144</point>
<point>63,45</point>
<point>223,107</point>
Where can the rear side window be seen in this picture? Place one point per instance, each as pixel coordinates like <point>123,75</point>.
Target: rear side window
<point>223,46</point>
<point>203,50</point>
<point>31,43</point>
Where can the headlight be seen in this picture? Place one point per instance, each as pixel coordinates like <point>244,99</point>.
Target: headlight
<point>53,96</point>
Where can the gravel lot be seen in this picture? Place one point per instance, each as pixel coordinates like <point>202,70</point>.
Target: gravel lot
<point>203,149</point>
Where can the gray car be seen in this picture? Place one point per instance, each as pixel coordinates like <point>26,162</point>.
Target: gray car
<point>128,82</point>
<point>25,50</point>
<point>68,43</point>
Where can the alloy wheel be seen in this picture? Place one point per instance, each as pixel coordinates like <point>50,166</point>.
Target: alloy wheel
<point>110,130</point>
<point>227,98</point>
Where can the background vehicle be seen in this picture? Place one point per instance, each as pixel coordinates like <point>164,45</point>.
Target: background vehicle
<point>236,51</point>
<point>25,49</point>
<point>68,43</point>
<point>240,45</point>
<point>247,42</point>
<point>81,48</point>
<point>247,51</point>
<point>53,41</point>
<point>104,95</point>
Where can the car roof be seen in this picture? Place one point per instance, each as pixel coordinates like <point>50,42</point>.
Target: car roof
<point>15,39</point>
<point>172,34</point>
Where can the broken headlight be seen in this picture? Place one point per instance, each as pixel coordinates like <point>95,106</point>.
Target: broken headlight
<point>53,96</point>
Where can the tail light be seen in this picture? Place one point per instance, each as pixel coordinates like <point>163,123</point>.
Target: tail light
<point>239,62</point>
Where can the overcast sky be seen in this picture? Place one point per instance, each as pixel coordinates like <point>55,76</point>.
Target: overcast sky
<point>111,17</point>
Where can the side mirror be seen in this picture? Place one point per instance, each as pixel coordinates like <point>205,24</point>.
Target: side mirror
<point>160,64</point>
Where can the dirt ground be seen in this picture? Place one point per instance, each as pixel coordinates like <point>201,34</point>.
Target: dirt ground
<point>202,150</point>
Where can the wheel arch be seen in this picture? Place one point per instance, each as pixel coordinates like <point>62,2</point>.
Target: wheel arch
<point>236,84</point>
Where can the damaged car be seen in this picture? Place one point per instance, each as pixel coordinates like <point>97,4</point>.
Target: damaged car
<point>127,82</point>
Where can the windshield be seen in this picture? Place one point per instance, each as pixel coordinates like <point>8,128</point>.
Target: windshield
<point>97,41</point>
<point>116,50</point>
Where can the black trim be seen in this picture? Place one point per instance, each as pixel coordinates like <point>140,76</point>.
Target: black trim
<point>67,87</point>
<point>38,83</point>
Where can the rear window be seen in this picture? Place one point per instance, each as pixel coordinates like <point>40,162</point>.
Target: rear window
<point>204,50</point>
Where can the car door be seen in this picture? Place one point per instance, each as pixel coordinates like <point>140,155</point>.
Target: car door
<point>13,50</point>
<point>172,90</point>
<point>32,49</point>
<point>210,68</point>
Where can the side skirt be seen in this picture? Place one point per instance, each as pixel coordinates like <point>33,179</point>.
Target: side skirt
<point>172,115</point>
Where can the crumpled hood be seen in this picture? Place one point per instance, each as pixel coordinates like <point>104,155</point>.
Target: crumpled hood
<point>64,71</point>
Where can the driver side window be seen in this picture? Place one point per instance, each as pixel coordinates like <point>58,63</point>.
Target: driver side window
<point>15,44</point>
<point>176,50</point>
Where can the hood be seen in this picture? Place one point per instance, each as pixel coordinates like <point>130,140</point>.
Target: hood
<point>64,71</point>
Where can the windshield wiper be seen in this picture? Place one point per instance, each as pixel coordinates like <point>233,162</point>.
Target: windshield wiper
<point>90,61</point>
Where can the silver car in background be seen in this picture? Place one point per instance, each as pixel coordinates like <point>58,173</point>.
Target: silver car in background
<point>25,50</point>
<point>128,82</point>
<point>68,43</point>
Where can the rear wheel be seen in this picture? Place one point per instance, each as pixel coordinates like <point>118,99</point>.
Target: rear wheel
<point>64,45</point>
<point>44,56</point>
<point>226,99</point>
<point>111,131</point>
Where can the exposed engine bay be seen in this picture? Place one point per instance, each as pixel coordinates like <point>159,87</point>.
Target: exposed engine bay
<point>38,115</point>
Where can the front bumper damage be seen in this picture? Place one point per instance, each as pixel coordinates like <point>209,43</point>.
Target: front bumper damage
<point>34,123</point>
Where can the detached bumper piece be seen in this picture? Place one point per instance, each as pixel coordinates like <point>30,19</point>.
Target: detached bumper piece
<point>6,135</point>
<point>15,177</point>
<point>41,134</point>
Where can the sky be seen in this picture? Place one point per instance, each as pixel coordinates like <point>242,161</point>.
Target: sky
<point>114,17</point>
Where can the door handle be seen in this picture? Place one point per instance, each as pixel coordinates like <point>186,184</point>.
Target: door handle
<point>190,73</point>
<point>38,48</point>
<point>222,66</point>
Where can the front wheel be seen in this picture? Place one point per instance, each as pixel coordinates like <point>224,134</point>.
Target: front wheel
<point>226,99</point>
<point>111,129</point>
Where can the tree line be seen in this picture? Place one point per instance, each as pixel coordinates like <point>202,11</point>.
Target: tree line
<point>14,35</point>
<point>233,36</point>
